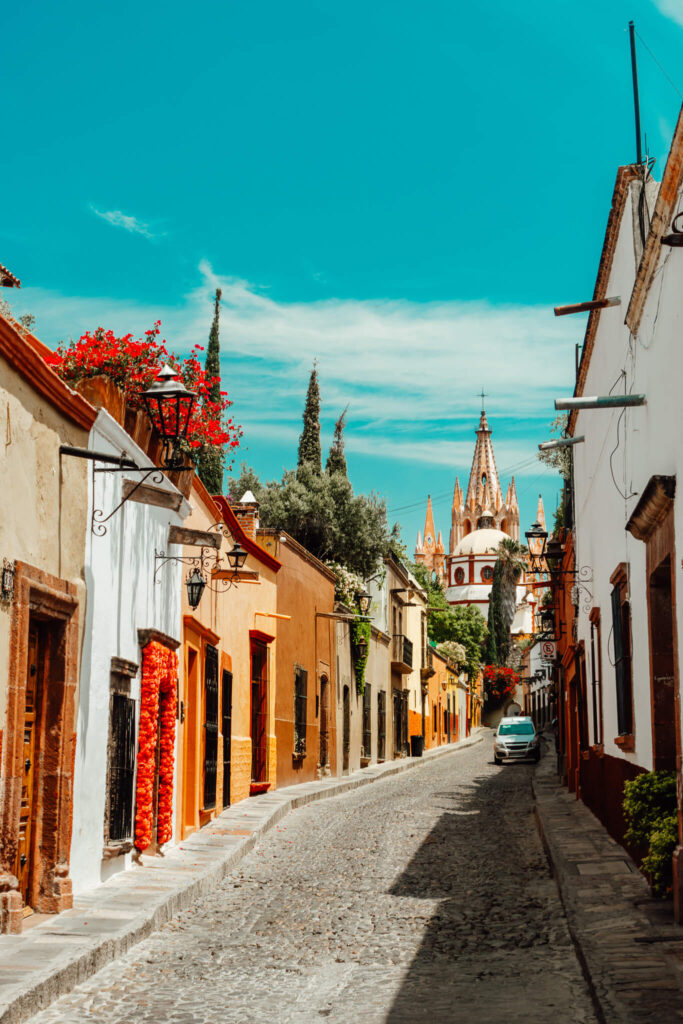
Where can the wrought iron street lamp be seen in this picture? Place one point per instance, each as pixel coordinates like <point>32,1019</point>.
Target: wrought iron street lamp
<point>237,556</point>
<point>364,599</point>
<point>536,534</point>
<point>169,405</point>
<point>195,584</point>
<point>361,646</point>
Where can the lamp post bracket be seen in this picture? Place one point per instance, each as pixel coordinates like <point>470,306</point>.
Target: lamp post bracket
<point>587,307</point>
<point>194,538</point>
<point>147,494</point>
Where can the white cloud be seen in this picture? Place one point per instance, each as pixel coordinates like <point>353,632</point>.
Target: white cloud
<point>410,371</point>
<point>671,9</point>
<point>123,220</point>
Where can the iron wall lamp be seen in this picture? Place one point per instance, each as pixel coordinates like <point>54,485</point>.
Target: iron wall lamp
<point>169,405</point>
<point>536,534</point>
<point>195,584</point>
<point>675,239</point>
<point>206,565</point>
<point>364,599</point>
<point>7,581</point>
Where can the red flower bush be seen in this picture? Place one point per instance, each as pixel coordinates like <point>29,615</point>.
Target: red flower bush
<point>500,683</point>
<point>133,364</point>
<point>157,705</point>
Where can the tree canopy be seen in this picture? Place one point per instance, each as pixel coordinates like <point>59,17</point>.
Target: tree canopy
<point>321,511</point>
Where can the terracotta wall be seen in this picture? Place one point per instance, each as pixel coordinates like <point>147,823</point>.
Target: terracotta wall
<point>305,640</point>
<point>225,619</point>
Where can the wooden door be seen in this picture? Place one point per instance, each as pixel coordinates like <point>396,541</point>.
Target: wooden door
<point>324,756</point>
<point>259,710</point>
<point>226,715</point>
<point>34,673</point>
<point>346,744</point>
<point>210,726</point>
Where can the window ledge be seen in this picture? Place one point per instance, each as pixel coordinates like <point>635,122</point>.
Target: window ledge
<point>116,849</point>
<point>627,742</point>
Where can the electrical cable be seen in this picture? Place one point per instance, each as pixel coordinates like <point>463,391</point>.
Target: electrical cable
<point>661,68</point>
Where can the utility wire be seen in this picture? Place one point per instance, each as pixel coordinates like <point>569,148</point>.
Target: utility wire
<point>664,72</point>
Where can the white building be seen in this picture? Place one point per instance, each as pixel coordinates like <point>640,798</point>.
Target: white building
<point>624,707</point>
<point>126,607</point>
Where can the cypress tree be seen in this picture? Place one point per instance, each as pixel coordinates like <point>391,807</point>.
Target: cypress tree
<point>310,452</point>
<point>336,460</point>
<point>210,465</point>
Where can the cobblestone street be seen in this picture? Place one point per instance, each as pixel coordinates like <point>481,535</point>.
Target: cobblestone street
<point>424,897</point>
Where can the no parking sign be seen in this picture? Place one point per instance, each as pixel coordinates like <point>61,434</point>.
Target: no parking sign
<point>548,650</point>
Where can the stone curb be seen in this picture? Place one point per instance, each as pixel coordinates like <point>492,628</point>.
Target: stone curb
<point>50,959</point>
<point>632,979</point>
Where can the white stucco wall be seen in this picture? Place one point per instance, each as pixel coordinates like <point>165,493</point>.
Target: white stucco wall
<point>122,597</point>
<point>623,449</point>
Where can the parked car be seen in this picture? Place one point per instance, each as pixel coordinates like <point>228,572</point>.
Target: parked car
<point>517,739</point>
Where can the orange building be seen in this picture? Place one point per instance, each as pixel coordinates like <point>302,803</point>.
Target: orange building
<point>304,703</point>
<point>226,741</point>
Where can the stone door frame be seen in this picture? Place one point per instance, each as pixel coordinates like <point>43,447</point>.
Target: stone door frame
<point>54,603</point>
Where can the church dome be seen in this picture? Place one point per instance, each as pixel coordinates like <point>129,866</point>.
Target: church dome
<point>480,542</point>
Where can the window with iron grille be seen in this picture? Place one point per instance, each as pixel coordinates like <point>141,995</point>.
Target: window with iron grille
<point>621,631</point>
<point>300,688</point>
<point>367,721</point>
<point>596,675</point>
<point>121,768</point>
<point>210,725</point>
<point>381,725</point>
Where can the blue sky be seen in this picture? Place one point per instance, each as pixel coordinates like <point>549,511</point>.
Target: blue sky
<point>402,191</point>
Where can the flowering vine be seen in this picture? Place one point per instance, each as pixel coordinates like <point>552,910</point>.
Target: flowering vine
<point>133,364</point>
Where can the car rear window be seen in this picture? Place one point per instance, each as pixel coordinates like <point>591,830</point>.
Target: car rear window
<point>521,728</point>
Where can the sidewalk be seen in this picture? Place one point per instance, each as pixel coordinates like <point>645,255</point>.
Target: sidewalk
<point>55,955</point>
<point>631,951</point>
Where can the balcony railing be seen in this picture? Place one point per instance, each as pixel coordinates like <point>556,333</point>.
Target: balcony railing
<point>402,655</point>
<point>427,670</point>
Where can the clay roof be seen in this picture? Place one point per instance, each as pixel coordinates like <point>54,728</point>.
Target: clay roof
<point>26,357</point>
<point>233,523</point>
<point>7,278</point>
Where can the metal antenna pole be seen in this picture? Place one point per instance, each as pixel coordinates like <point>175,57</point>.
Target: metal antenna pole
<point>636,98</point>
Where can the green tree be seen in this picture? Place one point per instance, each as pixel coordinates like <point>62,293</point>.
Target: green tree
<point>491,647</point>
<point>211,462</point>
<point>559,458</point>
<point>310,451</point>
<point>336,460</point>
<point>511,558</point>
<point>322,513</point>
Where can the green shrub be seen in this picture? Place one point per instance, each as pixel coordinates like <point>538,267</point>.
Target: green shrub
<point>658,862</point>
<point>650,811</point>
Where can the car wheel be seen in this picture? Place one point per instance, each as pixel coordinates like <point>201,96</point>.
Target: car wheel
<point>497,760</point>
<point>537,756</point>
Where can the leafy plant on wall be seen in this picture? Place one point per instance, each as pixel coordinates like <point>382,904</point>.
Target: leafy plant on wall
<point>360,630</point>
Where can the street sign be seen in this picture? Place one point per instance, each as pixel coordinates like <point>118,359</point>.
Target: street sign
<point>548,650</point>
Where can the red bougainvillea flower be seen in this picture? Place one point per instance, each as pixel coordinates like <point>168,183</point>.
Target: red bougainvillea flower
<point>134,364</point>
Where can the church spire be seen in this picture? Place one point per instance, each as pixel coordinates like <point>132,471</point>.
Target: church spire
<point>484,474</point>
<point>429,525</point>
<point>540,512</point>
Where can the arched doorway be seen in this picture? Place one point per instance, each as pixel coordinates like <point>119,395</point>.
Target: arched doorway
<point>324,754</point>
<point>347,729</point>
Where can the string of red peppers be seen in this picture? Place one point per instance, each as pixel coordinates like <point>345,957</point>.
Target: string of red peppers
<point>157,709</point>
